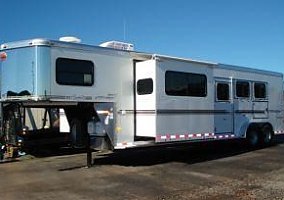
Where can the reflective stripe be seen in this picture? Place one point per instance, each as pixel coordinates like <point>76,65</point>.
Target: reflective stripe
<point>279,132</point>
<point>163,137</point>
<point>124,145</point>
<point>193,136</point>
<point>173,137</point>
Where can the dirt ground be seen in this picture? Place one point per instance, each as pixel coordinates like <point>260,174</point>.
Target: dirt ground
<point>208,171</point>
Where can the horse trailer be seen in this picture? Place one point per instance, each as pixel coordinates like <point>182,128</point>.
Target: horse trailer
<point>121,98</point>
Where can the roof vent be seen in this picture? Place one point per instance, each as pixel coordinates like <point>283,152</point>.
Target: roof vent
<point>70,39</point>
<point>118,45</point>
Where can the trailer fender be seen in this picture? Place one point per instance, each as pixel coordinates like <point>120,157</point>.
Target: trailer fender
<point>242,132</point>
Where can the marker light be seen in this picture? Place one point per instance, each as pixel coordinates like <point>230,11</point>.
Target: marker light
<point>3,56</point>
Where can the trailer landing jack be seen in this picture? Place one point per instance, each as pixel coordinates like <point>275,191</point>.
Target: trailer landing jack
<point>89,152</point>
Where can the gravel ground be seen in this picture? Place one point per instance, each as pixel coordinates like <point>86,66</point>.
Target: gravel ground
<point>207,171</point>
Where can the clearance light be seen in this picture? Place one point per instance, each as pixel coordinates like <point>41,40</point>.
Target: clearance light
<point>3,56</point>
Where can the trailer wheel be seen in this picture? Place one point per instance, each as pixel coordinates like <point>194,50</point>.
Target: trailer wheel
<point>253,137</point>
<point>267,135</point>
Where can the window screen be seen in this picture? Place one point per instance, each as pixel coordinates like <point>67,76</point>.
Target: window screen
<point>185,84</point>
<point>260,90</point>
<point>242,89</point>
<point>74,72</point>
<point>145,86</point>
<point>223,92</point>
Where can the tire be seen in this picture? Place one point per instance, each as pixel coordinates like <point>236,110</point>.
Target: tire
<point>266,135</point>
<point>253,138</point>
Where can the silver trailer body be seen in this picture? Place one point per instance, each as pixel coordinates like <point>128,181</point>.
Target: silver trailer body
<point>141,99</point>
<point>224,100</point>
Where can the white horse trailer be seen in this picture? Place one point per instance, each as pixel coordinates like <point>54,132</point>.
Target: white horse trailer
<point>123,98</point>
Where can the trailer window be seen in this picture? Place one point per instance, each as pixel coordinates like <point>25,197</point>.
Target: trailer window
<point>242,89</point>
<point>260,90</point>
<point>74,72</point>
<point>223,92</point>
<point>185,84</point>
<point>145,86</point>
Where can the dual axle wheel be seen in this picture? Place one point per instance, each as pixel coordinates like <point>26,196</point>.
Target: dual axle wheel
<point>259,136</point>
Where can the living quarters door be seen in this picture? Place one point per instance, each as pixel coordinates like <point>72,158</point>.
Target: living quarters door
<point>145,99</point>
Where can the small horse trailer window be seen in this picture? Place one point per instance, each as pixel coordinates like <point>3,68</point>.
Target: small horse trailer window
<point>259,90</point>
<point>242,89</point>
<point>74,72</point>
<point>223,92</point>
<point>145,86</point>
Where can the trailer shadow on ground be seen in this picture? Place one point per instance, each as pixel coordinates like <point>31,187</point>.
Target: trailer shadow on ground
<point>186,153</point>
<point>48,151</point>
<point>189,154</point>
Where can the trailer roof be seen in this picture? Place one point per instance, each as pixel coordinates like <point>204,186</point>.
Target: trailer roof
<point>72,45</point>
<point>248,69</point>
<point>132,54</point>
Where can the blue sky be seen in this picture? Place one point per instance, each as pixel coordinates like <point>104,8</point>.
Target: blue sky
<point>239,32</point>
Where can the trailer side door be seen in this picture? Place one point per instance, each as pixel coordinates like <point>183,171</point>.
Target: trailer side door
<point>145,99</point>
<point>243,109</point>
<point>223,107</point>
<point>260,100</point>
